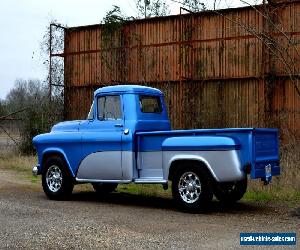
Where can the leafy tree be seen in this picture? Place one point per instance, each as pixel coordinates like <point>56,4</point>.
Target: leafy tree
<point>150,8</point>
<point>194,5</point>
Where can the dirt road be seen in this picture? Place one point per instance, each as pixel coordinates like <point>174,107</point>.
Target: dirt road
<point>122,221</point>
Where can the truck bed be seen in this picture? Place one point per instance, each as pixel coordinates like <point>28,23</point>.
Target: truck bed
<point>258,147</point>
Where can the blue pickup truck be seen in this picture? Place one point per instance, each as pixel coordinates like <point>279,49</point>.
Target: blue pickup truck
<point>127,138</point>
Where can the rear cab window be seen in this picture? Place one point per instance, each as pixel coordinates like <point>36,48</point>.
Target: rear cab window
<point>150,104</point>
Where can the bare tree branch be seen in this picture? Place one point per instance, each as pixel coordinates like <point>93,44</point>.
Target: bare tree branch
<point>21,110</point>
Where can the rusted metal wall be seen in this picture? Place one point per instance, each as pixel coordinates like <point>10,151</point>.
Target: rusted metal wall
<point>216,69</point>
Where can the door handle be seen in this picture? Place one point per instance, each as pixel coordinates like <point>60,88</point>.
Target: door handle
<point>119,125</point>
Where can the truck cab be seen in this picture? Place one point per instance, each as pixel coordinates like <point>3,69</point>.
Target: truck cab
<point>108,135</point>
<point>127,137</point>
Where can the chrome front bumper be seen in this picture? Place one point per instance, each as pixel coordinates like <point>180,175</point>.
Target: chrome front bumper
<point>35,171</point>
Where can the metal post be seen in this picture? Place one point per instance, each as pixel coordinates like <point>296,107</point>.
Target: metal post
<point>50,63</point>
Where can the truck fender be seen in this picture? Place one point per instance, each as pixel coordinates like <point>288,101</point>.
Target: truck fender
<point>58,151</point>
<point>189,157</point>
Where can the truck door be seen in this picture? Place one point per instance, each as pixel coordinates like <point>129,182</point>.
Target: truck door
<point>102,142</point>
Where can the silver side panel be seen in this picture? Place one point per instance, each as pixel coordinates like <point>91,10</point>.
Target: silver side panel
<point>109,165</point>
<point>150,164</point>
<point>128,163</point>
<point>223,165</point>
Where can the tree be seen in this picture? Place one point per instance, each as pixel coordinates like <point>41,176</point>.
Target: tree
<point>3,109</point>
<point>39,115</point>
<point>194,5</point>
<point>150,8</point>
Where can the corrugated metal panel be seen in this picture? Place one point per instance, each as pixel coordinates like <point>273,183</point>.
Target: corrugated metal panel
<point>214,72</point>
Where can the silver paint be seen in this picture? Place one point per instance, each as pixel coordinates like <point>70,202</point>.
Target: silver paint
<point>150,164</point>
<point>223,165</point>
<point>108,165</point>
<point>128,163</point>
<point>153,167</point>
<point>151,173</point>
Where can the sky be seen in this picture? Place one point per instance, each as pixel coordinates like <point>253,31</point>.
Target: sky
<point>24,22</point>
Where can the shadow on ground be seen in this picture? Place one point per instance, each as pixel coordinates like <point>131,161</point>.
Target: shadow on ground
<point>120,198</point>
<point>296,212</point>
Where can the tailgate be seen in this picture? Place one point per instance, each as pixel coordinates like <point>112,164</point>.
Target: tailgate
<point>265,153</point>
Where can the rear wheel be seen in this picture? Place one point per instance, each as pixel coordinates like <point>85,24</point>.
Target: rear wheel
<point>105,187</point>
<point>191,187</point>
<point>230,192</point>
<point>56,180</point>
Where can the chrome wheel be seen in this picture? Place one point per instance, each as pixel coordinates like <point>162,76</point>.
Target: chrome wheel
<point>54,178</point>
<point>189,187</point>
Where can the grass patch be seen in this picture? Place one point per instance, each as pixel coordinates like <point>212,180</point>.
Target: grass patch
<point>19,163</point>
<point>288,196</point>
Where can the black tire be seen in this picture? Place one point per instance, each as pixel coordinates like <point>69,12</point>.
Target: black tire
<point>56,164</point>
<point>183,175</point>
<point>105,187</point>
<point>230,192</point>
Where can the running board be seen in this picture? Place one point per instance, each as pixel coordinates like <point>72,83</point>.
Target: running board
<point>150,181</point>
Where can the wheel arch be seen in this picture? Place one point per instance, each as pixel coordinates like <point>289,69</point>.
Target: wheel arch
<point>50,152</point>
<point>176,162</point>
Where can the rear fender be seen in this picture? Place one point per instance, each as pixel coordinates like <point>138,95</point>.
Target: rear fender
<point>185,157</point>
<point>220,154</point>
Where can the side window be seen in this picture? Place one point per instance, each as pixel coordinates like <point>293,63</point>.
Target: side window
<point>109,108</point>
<point>150,104</point>
<point>91,113</point>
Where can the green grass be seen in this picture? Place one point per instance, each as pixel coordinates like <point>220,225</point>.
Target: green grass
<point>20,164</point>
<point>288,196</point>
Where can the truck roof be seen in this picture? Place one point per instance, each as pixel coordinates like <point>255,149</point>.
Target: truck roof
<point>131,89</point>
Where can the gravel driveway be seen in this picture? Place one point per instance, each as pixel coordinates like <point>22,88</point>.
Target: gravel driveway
<point>122,221</point>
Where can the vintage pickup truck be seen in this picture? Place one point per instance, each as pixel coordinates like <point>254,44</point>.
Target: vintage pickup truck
<point>127,138</point>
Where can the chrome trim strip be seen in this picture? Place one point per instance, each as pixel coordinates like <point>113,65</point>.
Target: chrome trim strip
<point>102,181</point>
<point>150,181</point>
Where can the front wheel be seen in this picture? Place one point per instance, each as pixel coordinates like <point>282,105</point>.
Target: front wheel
<point>56,180</point>
<point>191,187</point>
<point>230,192</point>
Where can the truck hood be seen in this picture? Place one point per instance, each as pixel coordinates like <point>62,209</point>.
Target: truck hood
<point>67,126</point>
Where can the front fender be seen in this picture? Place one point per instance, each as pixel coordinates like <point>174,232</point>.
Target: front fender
<point>55,150</point>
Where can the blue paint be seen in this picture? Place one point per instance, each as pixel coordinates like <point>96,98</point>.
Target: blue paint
<point>128,89</point>
<point>65,143</point>
<point>203,143</point>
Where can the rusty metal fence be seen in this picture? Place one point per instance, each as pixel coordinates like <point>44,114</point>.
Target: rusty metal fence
<point>228,68</point>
